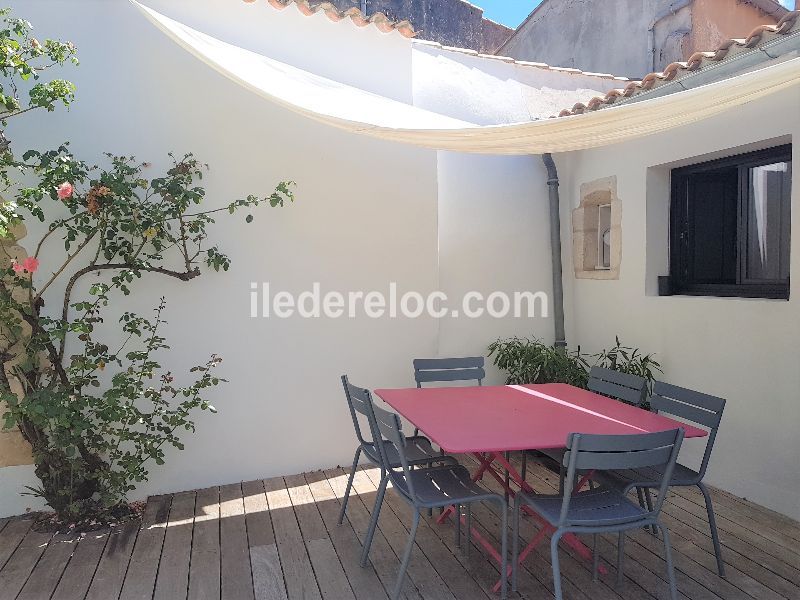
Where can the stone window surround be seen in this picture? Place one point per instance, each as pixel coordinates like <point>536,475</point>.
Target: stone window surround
<point>584,229</point>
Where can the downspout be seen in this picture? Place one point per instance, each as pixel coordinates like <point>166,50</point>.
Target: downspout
<point>555,251</point>
<point>651,29</point>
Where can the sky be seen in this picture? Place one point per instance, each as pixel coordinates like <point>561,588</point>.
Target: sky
<point>507,12</point>
<point>513,12</point>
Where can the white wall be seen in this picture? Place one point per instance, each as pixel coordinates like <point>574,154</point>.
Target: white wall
<point>367,213</point>
<point>742,349</point>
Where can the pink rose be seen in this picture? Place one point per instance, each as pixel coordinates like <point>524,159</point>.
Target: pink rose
<point>30,264</point>
<point>65,190</point>
<point>18,268</point>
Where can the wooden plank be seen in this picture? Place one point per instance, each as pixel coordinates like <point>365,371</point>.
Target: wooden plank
<point>47,573</point>
<point>268,581</point>
<point>328,569</point>
<point>770,542</point>
<point>81,568</point>
<point>685,543</point>
<point>19,566</point>
<point>748,559</point>
<point>742,513</point>
<point>12,535</point>
<point>382,557</point>
<point>110,574</point>
<point>440,553</point>
<point>237,577</point>
<point>172,582</point>
<point>140,579</point>
<point>204,566</point>
<point>420,571</point>
<point>265,563</point>
<point>297,570</point>
<point>364,582</point>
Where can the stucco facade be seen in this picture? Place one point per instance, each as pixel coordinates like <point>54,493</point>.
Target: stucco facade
<point>632,37</point>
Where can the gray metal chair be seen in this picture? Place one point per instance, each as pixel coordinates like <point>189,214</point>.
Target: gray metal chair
<point>604,509</point>
<point>624,387</point>
<point>430,370</point>
<point>631,389</point>
<point>697,408</point>
<point>418,449</point>
<point>429,488</point>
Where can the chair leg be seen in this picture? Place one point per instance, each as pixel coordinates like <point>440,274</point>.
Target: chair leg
<point>648,498</point>
<point>406,557</point>
<point>712,522</point>
<point>515,543</point>
<point>620,559</point>
<point>457,515</point>
<point>556,565</point>
<point>349,485</point>
<point>524,465</point>
<point>673,590</point>
<point>469,529</point>
<point>373,522</point>
<point>504,553</point>
<point>508,475</point>
<point>640,497</point>
<point>595,558</point>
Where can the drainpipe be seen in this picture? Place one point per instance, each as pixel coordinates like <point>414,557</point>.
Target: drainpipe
<point>651,29</point>
<point>555,251</point>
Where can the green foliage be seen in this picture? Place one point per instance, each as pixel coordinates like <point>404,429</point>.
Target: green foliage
<point>532,361</point>
<point>629,360</point>
<point>23,60</point>
<point>528,360</point>
<point>89,394</point>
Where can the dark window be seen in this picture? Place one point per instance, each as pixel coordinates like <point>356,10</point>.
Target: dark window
<point>730,226</point>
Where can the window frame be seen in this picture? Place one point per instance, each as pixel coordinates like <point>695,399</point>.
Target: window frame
<point>599,266</point>
<point>679,227</point>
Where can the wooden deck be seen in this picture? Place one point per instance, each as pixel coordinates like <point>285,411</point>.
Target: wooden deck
<point>279,539</point>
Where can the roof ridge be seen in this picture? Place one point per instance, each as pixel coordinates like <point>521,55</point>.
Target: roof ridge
<point>523,63</point>
<point>695,62</point>
<point>379,19</point>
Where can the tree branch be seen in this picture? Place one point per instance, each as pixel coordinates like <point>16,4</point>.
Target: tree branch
<point>187,275</point>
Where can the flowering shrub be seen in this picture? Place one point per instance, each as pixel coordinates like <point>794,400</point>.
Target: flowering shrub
<point>89,394</point>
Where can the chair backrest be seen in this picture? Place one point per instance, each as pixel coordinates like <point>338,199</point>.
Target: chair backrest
<point>390,428</point>
<point>427,370</point>
<point>622,386</point>
<point>587,452</point>
<point>359,400</point>
<point>701,409</point>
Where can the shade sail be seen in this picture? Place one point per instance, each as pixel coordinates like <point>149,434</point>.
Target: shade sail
<point>362,112</point>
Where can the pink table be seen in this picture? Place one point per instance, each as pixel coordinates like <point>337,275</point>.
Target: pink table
<point>490,420</point>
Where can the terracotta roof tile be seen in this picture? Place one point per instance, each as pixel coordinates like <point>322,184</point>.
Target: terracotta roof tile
<point>522,63</point>
<point>761,34</point>
<point>378,20</point>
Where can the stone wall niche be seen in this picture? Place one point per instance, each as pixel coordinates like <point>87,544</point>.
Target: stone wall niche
<point>600,210</point>
<point>14,450</point>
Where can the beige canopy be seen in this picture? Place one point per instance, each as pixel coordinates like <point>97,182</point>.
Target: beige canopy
<point>358,111</point>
